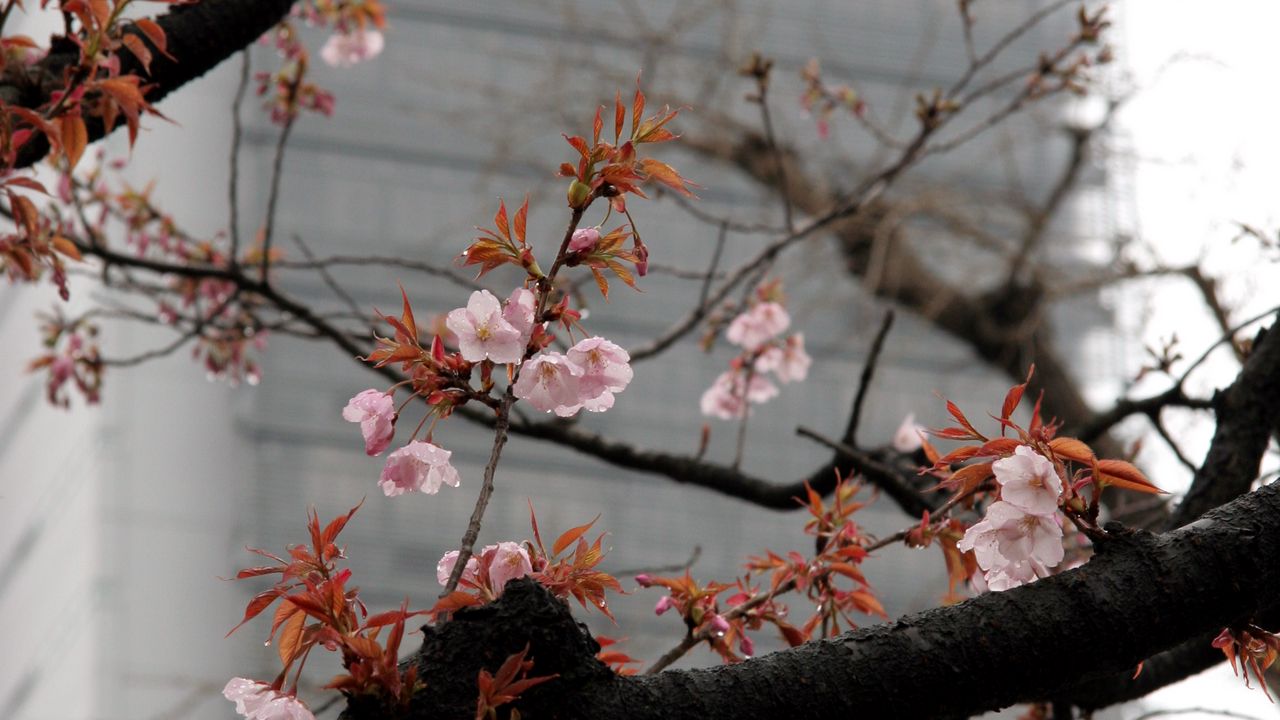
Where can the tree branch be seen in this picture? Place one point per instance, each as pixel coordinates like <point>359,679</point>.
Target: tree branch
<point>199,37</point>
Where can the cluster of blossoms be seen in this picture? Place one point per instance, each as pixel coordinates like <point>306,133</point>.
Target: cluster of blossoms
<point>757,332</point>
<point>73,358</point>
<point>822,100</point>
<point>830,580</point>
<point>489,570</point>
<point>1021,536</point>
<point>488,333</point>
<point>1034,491</point>
<point>357,26</point>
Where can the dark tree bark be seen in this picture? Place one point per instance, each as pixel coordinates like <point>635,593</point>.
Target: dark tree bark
<point>1140,595</point>
<point>1075,638</point>
<point>199,37</point>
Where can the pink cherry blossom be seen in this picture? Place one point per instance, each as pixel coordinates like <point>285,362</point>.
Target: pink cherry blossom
<point>906,439</point>
<point>758,325</point>
<point>1028,481</point>
<point>508,562</point>
<point>549,381</point>
<point>483,333</point>
<point>444,568</point>
<point>724,399</point>
<point>1013,546</point>
<point>605,371</point>
<point>259,701</point>
<point>584,240</point>
<point>376,413</point>
<point>789,363</point>
<point>417,467</point>
<point>344,49</point>
<point>519,312</point>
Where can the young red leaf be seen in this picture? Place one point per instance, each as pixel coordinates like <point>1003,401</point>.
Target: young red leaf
<point>500,220</point>
<point>570,536</point>
<point>619,115</point>
<point>139,49</point>
<point>1071,449</point>
<point>1125,475</point>
<point>259,603</point>
<point>290,642</point>
<point>521,215</point>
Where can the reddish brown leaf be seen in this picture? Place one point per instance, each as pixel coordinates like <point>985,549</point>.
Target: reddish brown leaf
<point>155,34</point>
<point>259,603</point>
<point>1071,449</point>
<point>74,137</point>
<point>1125,475</point>
<point>139,50</point>
<point>570,536</point>
<point>521,215</point>
<point>290,641</point>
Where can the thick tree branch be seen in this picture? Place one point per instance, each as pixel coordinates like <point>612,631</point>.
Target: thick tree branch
<point>1141,594</point>
<point>1248,412</point>
<point>199,37</point>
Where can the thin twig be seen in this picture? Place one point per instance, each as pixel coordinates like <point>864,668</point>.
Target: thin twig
<point>1168,440</point>
<point>273,196</point>
<point>876,472</point>
<point>664,569</point>
<point>864,382</point>
<point>331,281</point>
<point>486,491</point>
<point>746,413</point>
<point>383,261</point>
<point>715,262</point>
<point>233,227</point>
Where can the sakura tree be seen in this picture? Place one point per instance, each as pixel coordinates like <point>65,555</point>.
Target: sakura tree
<point>1072,583</point>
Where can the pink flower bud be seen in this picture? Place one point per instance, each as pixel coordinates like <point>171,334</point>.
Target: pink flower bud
<point>584,240</point>
<point>747,646</point>
<point>665,603</point>
<point>719,624</point>
<point>643,580</point>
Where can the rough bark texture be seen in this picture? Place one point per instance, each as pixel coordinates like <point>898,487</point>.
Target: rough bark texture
<point>1248,411</point>
<point>199,37</point>
<point>1141,594</point>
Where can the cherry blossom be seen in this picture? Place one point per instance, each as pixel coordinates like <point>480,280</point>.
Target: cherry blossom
<point>605,371</point>
<point>519,312</point>
<point>483,331</point>
<point>1028,481</point>
<point>376,413</point>
<point>417,467</point>
<point>906,439</point>
<point>758,325</point>
<point>344,49</point>
<point>724,399</point>
<point>444,568</point>
<point>549,382</point>
<point>259,701</point>
<point>789,362</point>
<point>508,562</point>
<point>1013,546</point>
<point>584,240</point>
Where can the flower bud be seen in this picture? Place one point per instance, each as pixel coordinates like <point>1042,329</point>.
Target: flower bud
<point>665,603</point>
<point>644,580</point>
<point>578,194</point>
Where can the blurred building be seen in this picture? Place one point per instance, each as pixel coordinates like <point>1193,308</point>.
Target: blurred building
<point>118,521</point>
